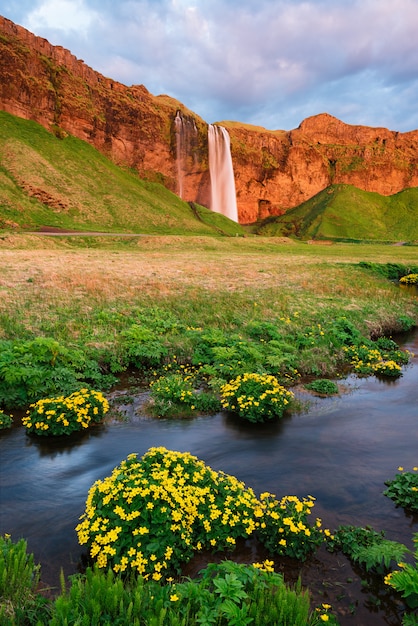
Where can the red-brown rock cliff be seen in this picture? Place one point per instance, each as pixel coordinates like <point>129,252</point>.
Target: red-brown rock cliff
<point>274,170</point>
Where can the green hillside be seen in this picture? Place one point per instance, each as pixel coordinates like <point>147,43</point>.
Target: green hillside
<point>348,213</point>
<point>66,183</point>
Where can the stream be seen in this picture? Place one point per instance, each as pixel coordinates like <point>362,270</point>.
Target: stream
<point>340,449</point>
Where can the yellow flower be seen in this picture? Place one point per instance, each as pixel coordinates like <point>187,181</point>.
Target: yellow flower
<point>400,469</point>
<point>174,597</point>
<point>324,618</point>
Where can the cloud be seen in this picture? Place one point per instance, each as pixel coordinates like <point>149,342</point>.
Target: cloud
<point>62,15</point>
<point>261,61</point>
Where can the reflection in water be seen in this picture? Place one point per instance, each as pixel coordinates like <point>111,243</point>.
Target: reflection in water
<point>341,451</point>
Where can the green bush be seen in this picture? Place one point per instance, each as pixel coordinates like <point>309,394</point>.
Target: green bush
<point>323,386</point>
<point>256,397</point>
<point>19,579</point>
<point>403,489</point>
<point>152,514</point>
<point>285,529</point>
<point>225,594</point>
<point>175,395</point>
<point>366,546</point>
<point>42,367</point>
<point>65,415</point>
<point>405,580</point>
<point>5,420</point>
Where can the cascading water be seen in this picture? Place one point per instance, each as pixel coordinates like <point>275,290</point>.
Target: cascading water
<point>186,137</point>
<point>222,182</point>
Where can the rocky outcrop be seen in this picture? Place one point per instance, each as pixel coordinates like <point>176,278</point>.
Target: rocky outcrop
<point>274,170</point>
<point>48,84</point>
<point>277,170</point>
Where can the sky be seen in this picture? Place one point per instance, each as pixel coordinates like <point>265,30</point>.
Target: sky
<point>270,63</point>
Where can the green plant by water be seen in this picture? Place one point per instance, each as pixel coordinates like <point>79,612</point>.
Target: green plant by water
<point>403,489</point>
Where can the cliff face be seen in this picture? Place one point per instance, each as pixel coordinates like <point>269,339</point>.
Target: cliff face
<point>274,170</point>
<point>51,86</point>
<point>278,170</point>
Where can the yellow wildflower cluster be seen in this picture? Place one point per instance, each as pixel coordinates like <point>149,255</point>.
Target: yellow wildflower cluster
<point>285,530</point>
<point>255,397</point>
<point>265,566</point>
<point>64,415</point>
<point>410,279</point>
<point>366,360</point>
<point>153,513</point>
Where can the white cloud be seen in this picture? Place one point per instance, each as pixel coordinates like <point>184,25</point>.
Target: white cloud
<point>64,15</point>
<point>269,62</point>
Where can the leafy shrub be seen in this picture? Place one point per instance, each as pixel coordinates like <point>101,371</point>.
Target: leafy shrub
<point>42,367</point>
<point>405,580</point>
<point>5,420</point>
<point>226,594</point>
<point>284,528</point>
<point>323,386</point>
<point>392,271</point>
<point>255,397</point>
<point>403,489</point>
<point>152,514</point>
<point>175,394</point>
<point>366,546</point>
<point>237,594</point>
<point>142,347</point>
<point>65,415</point>
<point>19,579</point>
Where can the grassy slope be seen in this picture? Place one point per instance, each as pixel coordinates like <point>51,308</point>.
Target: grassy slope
<point>343,211</point>
<point>66,183</point>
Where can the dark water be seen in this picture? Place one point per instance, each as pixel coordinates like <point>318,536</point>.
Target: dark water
<point>341,451</point>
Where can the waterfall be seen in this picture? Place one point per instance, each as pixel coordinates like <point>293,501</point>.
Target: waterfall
<point>222,183</point>
<point>186,137</point>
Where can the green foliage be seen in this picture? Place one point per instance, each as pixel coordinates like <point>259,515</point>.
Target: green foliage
<point>142,347</point>
<point>403,489</point>
<point>366,547</point>
<point>323,386</point>
<point>344,212</point>
<point>405,581</point>
<point>5,420</point>
<point>381,357</point>
<point>391,271</point>
<point>42,367</point>
<point>101,599</point>
<point>65,415</point>
<point>176,395</point>
<point>285,529</point>
<point>224,594</point>
<point>151,515</point>
<point>228,355</point>
<point>239,594</point>
<point>19,579</point>
<point>256,397</point>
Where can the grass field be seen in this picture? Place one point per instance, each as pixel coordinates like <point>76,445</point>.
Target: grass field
<point>56,286</point>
